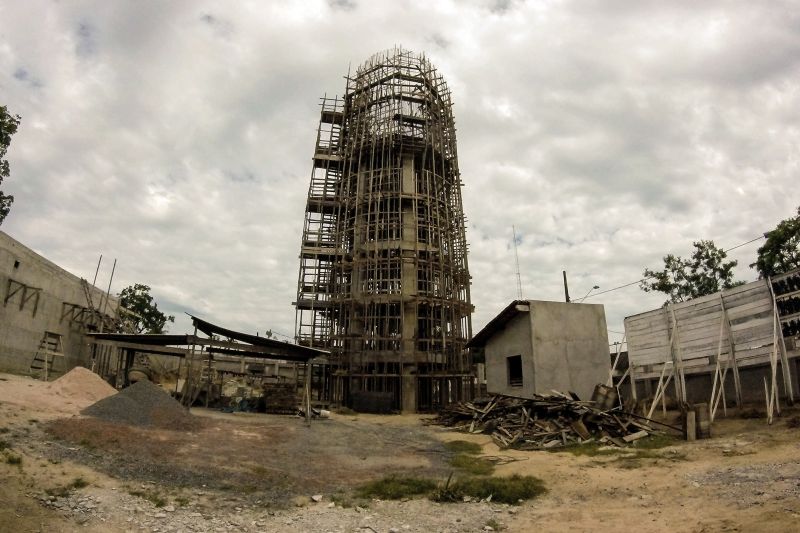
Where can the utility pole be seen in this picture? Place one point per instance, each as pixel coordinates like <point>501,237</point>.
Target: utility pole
<point>566,287</point>
<point>516,258</point>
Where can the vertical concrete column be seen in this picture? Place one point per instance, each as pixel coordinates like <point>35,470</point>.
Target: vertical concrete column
<point>409,389</point>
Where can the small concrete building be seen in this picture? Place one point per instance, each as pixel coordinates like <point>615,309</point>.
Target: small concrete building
<point>45,312</point>
<point>534,346</point>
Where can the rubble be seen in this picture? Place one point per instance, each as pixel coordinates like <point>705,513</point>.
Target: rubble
<point>544,422</point>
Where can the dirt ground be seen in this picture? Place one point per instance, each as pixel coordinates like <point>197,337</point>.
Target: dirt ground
<point>248,472</point>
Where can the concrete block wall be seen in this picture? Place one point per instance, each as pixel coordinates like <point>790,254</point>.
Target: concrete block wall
<point>23,323</point>
<point>564,347</point>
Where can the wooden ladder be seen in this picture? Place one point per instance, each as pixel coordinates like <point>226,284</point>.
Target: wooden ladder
<point>50,347</point>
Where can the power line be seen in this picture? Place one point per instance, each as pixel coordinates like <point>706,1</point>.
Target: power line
<point>641,280</point>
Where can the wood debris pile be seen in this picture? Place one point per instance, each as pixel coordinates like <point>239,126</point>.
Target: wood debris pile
<point>547,421</point>
<point>280,398</point>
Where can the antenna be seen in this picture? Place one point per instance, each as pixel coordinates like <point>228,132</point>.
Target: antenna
<point>516,258</point>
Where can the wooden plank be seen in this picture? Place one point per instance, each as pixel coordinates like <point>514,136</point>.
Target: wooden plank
<point>635,436</point>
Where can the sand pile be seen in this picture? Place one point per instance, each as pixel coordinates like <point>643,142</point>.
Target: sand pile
<point>80,387</point>
<point>143,404</point>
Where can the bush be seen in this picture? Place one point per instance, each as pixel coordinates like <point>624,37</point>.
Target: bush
<point>396,488</point>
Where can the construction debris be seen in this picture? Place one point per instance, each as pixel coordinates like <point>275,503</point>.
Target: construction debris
<point>544,422</point>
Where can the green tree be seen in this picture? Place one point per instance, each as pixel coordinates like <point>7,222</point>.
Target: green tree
<point>143,315</point>
<point>706,272</point>
<point>8,127</point>
<point>781,252</point>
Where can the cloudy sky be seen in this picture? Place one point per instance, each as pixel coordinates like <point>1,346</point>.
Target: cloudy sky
<point>177,138</point>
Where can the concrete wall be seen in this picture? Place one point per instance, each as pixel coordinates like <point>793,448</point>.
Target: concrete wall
<point>515,339</point>
<point>564,347</point>
<point>23,322</point>
<point>570,347</point>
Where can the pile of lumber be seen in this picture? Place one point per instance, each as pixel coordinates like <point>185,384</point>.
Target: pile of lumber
<point>280,398</point>
<point>546,421</point>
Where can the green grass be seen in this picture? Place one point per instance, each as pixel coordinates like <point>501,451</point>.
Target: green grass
<point>472,465</point>
<point>3,445</point>
<point>65,490</point>
<point>656,441</point>
<point>5,430</point>
<point>396,488</point>
<point>463,446</point>
<point>14,460</point>
<point>509,490</point>
<point>494,524</point>
<point>594,449</point>
<point>79,483</point>
<point>590,449</point>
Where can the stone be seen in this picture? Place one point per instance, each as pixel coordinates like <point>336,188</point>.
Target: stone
<point>317,497</point>
<point>170,508</point>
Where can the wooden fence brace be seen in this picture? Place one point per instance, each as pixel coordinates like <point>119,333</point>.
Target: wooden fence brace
<point>680,385</point>
<point>737,384</point>
<point>610,381</point>
<point>660,389</point>
<point>785,368</point>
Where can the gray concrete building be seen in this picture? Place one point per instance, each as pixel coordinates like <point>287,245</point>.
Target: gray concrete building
<point>536,346</point>
<point>45,312</point>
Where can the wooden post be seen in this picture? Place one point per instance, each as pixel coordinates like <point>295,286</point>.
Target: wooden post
<point>691,427</point>
<point>307,392</point>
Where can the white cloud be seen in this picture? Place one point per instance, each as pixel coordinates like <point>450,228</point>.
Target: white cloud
<point>177,137</point>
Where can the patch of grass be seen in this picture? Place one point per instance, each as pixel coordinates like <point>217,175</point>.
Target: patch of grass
<point>793,422</point>
<point>463,446</point>
<point>4,430</point>
<point>752,413</point>
<point>473,465</point>
<point>182,501</point>
<point>396,488</point>
<point>79,483</point>
<point>656,441</point>
<point>4,445</point>
<point>590,449</point>
<point>345,411</point>
<point>14,459</point>
<point>494,524</point>
<point>152,496</point>
<point>58,492</point>
<point>502,489</point>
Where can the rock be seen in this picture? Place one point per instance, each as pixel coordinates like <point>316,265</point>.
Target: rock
<point>488,528</point>
<point>331,505</point>
<point>317,497</point>
<point>394,530</point>
<point>160,515</point>
<point>170,508</point>
<point>695,484</point>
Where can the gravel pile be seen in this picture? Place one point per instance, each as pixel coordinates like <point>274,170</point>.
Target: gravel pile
<point>143,404</point>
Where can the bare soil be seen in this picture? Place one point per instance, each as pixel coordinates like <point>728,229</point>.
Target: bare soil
<point>248,472</point>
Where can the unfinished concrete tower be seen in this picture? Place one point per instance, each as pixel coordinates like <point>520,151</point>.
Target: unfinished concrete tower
<point>383,281</point>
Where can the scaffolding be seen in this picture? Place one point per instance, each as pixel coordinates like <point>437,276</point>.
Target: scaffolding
<point>384,281</point>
